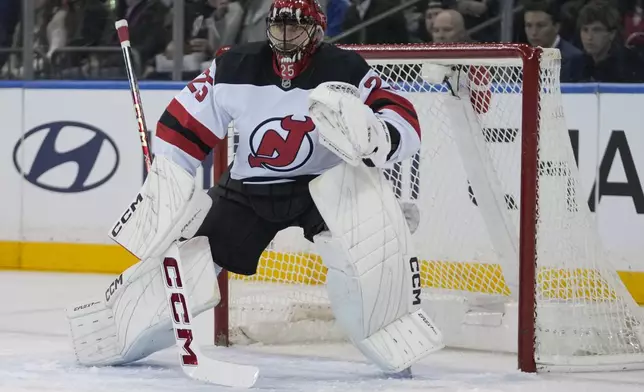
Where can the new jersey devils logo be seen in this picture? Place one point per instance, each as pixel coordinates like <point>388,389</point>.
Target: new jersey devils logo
<point>281,144</point>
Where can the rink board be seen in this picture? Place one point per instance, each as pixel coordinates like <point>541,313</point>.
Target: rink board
<point>59,219</point>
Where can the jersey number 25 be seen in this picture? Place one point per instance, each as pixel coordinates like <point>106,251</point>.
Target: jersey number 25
<point>200,95</point>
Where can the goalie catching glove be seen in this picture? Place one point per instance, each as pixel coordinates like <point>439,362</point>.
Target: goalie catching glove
<point>348,127</point>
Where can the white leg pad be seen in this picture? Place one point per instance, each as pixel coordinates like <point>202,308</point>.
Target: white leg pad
<point>403,342</point>
<point>132,320</point>
<point>373,281</point>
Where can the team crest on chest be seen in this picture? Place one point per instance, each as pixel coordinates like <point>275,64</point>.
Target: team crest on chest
<point>281,144</point>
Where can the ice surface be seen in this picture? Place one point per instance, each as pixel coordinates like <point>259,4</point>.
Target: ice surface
<point>35,356</point>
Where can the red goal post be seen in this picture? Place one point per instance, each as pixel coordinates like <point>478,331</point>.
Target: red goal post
<point>538,89</point>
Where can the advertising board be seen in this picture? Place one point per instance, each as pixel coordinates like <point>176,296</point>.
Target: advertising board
<point>71,160</point>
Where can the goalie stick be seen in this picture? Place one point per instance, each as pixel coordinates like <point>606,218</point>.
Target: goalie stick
<point>193,363</point>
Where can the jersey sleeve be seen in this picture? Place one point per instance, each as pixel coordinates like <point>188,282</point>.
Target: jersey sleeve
<point>397,112</point>
<point>193,123</point>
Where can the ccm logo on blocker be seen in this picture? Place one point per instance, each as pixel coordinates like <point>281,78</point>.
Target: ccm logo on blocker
<point>43,155</point>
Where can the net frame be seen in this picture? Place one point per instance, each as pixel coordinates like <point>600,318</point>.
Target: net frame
<point>518,54</point>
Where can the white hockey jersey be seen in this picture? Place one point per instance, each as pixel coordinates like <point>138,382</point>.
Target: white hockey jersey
<point>277,138</point>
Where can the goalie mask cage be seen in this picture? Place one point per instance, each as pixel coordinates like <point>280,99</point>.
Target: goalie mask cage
<point>511,256</point>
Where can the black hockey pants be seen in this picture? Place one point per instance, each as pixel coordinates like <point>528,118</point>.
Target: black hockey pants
<point>244,219</point>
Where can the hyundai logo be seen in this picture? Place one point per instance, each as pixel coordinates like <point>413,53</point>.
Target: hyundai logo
<point>66,156</point>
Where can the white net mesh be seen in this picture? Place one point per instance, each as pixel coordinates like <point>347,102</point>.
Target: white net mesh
<point>461,193</point>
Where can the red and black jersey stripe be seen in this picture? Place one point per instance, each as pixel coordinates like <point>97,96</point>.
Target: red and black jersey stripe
<point>179,128</point>
<point>380,99</point>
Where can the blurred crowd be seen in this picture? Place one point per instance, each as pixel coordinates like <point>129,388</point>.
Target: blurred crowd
<point>600,40</point>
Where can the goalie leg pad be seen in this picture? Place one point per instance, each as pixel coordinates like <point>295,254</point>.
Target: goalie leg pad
<point>403,342</point>
<point>372,282</point>
<point>132,321</point>
<point>168,206</point>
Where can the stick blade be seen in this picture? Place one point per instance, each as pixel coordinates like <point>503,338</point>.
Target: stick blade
<point>227,374</point>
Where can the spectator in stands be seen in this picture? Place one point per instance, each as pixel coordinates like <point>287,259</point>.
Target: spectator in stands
<point>224,23</point>
<point>475,12</point>
<point>56,32</point>
<point>146,20</point>
<point>85,22</point>
<point>336,10</point>
<point>391,30</point>
<point>208,26</point>
<point>49,34</point>
<point>541,21</point>
<point>254,26</point>
<point>449,26</point>
<point>633,19</point>
<point>569,10</point>
<point>608,59</point>
<point>9,18</point>
<point>434,7</point>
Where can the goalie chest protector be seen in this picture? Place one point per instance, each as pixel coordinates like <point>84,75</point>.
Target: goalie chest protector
<point>277,139</point>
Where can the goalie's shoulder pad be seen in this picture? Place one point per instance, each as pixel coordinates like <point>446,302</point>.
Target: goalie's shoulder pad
<point>167,204</point>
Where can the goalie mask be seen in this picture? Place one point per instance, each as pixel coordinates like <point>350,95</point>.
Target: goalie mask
<point>295,28</point>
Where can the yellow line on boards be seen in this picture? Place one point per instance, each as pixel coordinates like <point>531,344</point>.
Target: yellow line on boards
<point>306,268</point>
<point>62,257</point>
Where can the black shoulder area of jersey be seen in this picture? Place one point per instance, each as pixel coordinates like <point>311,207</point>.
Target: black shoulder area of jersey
<point>245,64</point>
<point>332,63</point>
<point>252,64</point>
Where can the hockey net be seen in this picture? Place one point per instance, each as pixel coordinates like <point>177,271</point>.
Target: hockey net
<point>507,243</point>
